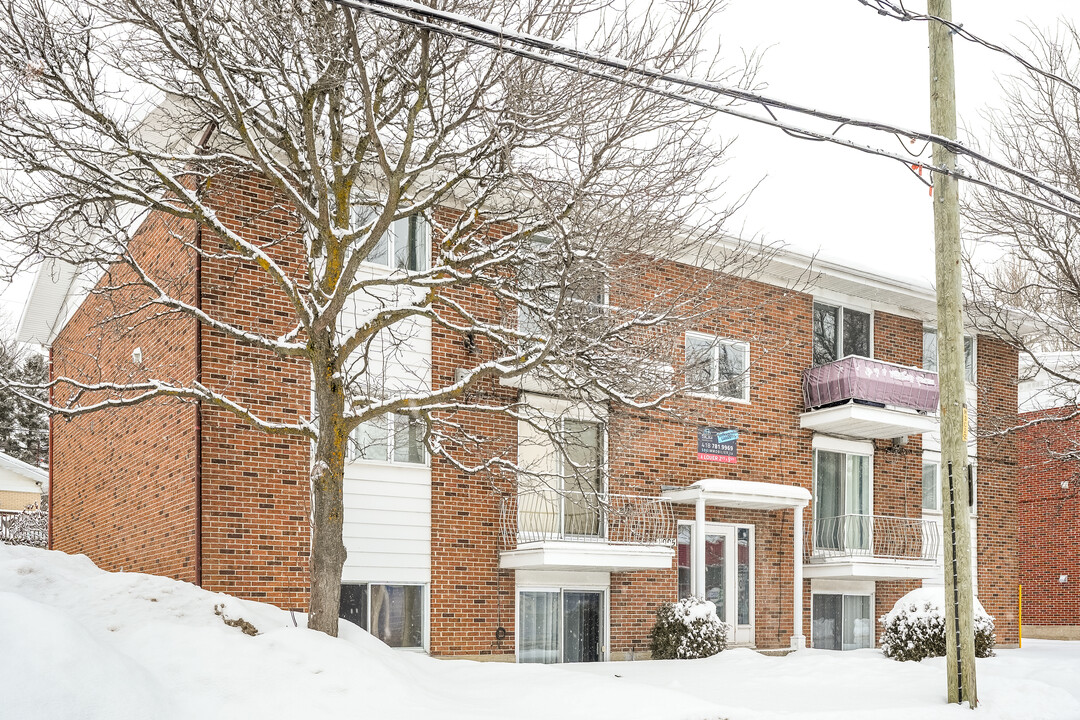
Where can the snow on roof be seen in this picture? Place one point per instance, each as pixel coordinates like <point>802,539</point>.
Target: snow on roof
<point>24,470</point>
<point>741,493</point>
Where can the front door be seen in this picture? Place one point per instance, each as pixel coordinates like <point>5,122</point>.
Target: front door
<point>728,575</point>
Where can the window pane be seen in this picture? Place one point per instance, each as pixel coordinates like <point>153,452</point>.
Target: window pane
<point>969,358</point>
<point>410,243</point>
<point>685,588</point>
<point>857,502</point>
<point>929,349</point>
<point>930,495</point>
<point>716,573</point>
<point>581,626</point>
<point>856,333</point>
<point>744,575</point>
<point>539,627</point>
<point>369,440</point>
<point>409,439</point>
<point>858,629</point>
<point>699,363</point>
<point>354,604</point>
<point>828,500</point>
<point>826,632</point>
<point>397,614</point>
<point>582,477</point>
<point>825,327</point>
<point>732,370</point>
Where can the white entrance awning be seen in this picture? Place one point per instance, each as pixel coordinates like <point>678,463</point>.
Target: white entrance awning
<point>745,494</point>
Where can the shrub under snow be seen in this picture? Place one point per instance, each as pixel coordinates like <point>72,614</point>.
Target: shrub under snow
<point>687,629</point>
<point>915,628</point>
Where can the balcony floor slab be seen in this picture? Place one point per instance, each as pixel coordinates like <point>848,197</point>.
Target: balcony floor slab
<point>572,555</point>
<point>867,421</point>
<point>870,568</point>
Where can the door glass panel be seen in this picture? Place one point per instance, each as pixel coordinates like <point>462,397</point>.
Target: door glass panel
<point>828,500</point>
<point>857,501</point>
<point>856,333</point>
<point>715,573</point>
<point>581,626</point>
<point>539,631</point>
<point>825,629</point>
<point>858,629</point>
<point>825,327</point>
<point>685,586</point>
<point>582,478</point>
<point>744,576</point>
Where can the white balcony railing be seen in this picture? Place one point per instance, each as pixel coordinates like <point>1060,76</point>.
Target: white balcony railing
<point>542,515</point>
<point>873,536</point>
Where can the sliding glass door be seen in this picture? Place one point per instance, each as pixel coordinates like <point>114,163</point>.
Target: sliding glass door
<point>560,626</point>
<point>842,519</point>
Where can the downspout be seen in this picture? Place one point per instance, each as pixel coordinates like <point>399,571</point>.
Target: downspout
<point>198,413</point>
<point>52,487</point>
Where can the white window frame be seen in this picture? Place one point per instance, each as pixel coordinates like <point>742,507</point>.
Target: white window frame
<point>974,355</point>
<point>391,431</point>
<point>934,458</point>
<point>842,307</point>
<point>425,611</point>
<point>716,342</point>
<point>391,239</point>
<point>605,610</point>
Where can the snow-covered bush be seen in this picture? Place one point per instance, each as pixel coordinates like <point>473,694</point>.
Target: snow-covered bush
<point>915,628</point>
<point>29,527</point>
<point>687,629</point>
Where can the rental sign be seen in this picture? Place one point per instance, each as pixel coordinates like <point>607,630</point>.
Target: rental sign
<point>718,444</point>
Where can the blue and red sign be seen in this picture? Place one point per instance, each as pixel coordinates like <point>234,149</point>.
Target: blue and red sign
<point>718,444</point>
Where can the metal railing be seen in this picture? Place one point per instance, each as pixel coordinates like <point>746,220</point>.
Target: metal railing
<point>30,527</point>
<point>878,536</point>
<point>541,515</point>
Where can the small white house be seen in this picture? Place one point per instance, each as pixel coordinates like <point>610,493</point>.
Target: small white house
<point>21,484</point>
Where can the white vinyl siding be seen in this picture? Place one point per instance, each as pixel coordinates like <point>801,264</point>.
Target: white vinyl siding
<point>387,528</point>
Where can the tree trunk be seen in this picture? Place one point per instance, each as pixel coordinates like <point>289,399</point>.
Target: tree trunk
<point>327,475</point>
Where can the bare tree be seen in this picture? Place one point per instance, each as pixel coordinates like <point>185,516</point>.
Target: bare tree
<point>1027,258</point>
<point>413,173</point>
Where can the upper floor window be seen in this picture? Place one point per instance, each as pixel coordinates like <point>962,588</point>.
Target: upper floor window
<point>930,353</point>
<point>839,332</point>
<point>931,485</point>
<point>405,246</point>
<point>395,438</point>
<point>557,296</point>
<point>717,366</point>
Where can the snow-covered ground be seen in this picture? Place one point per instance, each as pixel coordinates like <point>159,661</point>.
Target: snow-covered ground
<point>79,643</point>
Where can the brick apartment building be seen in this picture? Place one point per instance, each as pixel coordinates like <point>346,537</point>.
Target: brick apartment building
<point>802,514</point>
<point>1048,494</point>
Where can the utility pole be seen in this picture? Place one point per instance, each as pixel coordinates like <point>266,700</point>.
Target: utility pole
<point>959,628</point>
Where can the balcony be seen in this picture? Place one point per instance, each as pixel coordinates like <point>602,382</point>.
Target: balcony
<point>872,547</point>
<point>547,530</point>
<point>865,398</point>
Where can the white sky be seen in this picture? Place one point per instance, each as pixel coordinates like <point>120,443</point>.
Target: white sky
<point>841,56</point>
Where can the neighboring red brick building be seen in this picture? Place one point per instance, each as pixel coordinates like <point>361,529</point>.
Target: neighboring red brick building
<point>1049,508</point>
<point>794,540</point>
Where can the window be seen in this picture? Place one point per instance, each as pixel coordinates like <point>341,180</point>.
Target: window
<point>392,613</point>
<point>396,438</point>
<point>931,488</point>
<point>931,485</point>
<point>839,332</point>
<point>718,367</point>
<point>582,293</point>
<point>582,462</point>
<point>930,353</point>
<point>842,622</point>
<point>405,246</point>
<point>842,519</point>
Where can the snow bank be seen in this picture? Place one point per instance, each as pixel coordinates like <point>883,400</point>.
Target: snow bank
<point>77,643</point>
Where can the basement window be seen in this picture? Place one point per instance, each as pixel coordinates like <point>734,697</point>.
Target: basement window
<point>392,613</point>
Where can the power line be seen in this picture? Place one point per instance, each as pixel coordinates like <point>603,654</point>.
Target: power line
<point>549,52</point>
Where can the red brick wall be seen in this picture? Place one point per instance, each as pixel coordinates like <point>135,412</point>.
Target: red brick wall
<point>123,481</point>
<point>999,573</point>
<point>256,502</point>
<point>1048,533</point>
